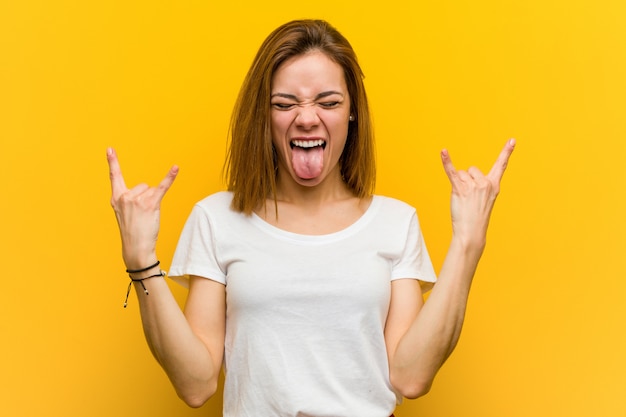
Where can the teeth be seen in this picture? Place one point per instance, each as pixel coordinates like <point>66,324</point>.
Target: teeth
<point>307,143</point>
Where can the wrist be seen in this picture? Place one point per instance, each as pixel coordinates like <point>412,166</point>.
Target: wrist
<point>135,263</point>
<point>469,247</point>
<point>138,276</point>
<point>144,271</point>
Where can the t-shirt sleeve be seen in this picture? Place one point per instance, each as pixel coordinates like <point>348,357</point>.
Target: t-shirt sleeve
<point>196,252</point>
<point>415,261</point>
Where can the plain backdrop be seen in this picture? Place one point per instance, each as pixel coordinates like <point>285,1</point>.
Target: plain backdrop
<point>157,80</point>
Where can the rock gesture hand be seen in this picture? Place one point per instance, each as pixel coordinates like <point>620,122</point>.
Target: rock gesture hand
<point>473,197</point>
<point>138,214</point>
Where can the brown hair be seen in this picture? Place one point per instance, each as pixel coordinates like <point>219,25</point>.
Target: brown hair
<point>251,161</point>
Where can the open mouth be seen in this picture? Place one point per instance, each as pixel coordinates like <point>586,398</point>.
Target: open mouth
<point>308,144</point>
<point>307,157</point>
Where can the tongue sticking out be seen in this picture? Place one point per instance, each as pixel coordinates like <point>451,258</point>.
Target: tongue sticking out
<point>307,163</point>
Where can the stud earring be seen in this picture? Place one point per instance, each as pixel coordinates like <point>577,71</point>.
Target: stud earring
<point>351,118</point>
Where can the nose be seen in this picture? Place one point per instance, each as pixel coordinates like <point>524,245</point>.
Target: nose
<point>307,116</point>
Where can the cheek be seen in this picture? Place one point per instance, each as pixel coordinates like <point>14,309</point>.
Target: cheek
<point>339,127</point>
<point>279,125</point>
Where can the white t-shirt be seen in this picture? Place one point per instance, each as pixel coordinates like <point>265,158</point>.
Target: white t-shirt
<point>305,314</point>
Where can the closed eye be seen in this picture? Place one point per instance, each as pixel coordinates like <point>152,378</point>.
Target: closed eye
<point>283,106</point>
<point>329,104</point>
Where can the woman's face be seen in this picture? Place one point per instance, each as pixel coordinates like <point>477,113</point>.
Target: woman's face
<point>309,117</point>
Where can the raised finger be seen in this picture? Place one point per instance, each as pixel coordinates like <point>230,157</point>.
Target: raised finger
<point>497,171</point>
<point>448,166</point>
<point>167,182</point>
<point>118,185</point>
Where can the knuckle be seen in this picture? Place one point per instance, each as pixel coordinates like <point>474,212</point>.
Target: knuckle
<point>124,198</point>
<point>116,200</point>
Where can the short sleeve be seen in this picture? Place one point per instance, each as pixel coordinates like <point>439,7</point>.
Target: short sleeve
<point>415,261</point>
<point>196,252</point>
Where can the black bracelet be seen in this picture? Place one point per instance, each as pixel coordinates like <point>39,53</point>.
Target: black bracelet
<point>140,280</point>
<point>134,271</point>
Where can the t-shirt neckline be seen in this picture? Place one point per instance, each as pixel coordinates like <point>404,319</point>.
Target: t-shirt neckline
<point>353,228</point>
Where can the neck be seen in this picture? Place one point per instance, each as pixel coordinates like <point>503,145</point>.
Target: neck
<point>332,188</point>
<point>324,208</point>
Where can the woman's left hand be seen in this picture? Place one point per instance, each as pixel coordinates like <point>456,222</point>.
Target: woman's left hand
<point>473,197</point>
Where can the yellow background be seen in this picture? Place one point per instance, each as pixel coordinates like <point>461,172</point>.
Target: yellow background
<point>157,80</point>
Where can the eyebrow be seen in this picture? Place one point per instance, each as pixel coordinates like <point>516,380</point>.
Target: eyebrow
<point>317,97</point>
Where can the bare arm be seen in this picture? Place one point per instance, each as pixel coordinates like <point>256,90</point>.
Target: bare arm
<point>189,346</point>
<point>420,337</point>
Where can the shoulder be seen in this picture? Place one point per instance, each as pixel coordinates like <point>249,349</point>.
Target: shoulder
<point>391,216</point>
<point>212,207</point>
<point>218,200</point>
<point>393,206</point>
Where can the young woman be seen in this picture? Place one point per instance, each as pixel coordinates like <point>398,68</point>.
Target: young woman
<point>305,285</point>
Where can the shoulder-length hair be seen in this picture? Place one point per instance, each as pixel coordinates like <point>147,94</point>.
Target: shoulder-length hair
<point>251,164</point>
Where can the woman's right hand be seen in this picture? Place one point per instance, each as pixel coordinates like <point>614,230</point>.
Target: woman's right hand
<point>138,214</point>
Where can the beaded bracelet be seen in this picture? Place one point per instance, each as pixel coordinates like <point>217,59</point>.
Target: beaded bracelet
<point>161,273</point>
